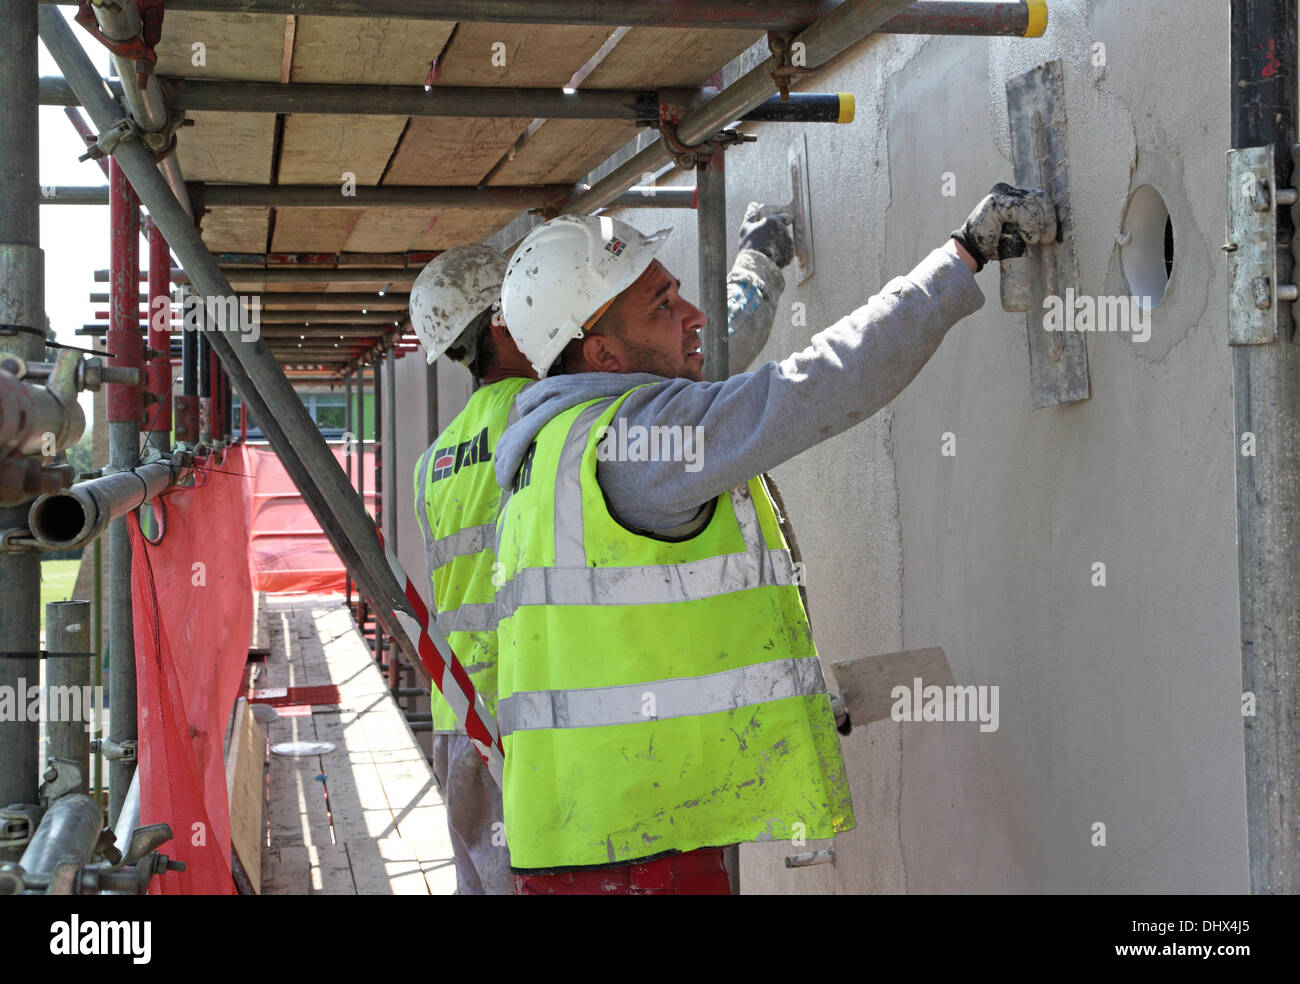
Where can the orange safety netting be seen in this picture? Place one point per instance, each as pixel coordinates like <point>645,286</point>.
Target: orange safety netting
<point>242,527</point>
<point>193,609</point>
<point>287,550</point>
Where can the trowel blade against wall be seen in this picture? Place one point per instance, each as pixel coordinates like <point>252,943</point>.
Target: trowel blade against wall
<point>867,682</point>
<point>1058,360</point>
<point>800,209</point>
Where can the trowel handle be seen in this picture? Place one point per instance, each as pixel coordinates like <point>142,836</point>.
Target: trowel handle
<point>1016,283</point>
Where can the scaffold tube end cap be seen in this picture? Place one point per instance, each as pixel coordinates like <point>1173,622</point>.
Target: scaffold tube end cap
<point>848,106</point>
<point>1037,24</point>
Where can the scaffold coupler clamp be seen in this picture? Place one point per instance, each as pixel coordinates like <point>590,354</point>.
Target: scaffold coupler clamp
<point>114,750</point>
<point>790,66</point>
<point>139,49</point>
<point>18,539</point>
<point>687,158</point>
<point>18,821</point>
<point>106,142</point>
<point>61,776</point>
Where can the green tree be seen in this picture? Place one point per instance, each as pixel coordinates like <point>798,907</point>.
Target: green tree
<point>81,455</point>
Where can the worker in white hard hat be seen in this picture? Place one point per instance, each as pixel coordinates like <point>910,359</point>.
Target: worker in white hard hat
<point>660,695</point>
<point>455,310</point>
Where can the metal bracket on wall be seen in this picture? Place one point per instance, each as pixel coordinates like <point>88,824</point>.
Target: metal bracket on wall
<point>1058,360</point>
<point>1254,291</point>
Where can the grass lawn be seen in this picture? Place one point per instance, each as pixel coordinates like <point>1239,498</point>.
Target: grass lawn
<point>58,578</point>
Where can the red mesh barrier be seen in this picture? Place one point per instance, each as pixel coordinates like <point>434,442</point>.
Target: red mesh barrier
<point>287,550</point>
<point>192,629</point>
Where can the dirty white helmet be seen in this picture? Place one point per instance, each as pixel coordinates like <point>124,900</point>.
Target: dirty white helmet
<point>450,296</point>
<point>564,275</point>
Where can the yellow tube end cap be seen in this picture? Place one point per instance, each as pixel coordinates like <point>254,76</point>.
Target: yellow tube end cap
<point>1037,18</point>
<point>847,108</point>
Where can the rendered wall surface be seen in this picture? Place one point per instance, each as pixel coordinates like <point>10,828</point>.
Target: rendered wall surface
<point>1118,704</point>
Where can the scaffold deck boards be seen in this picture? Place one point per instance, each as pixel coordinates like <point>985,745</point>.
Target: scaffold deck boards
<point>367,817</point>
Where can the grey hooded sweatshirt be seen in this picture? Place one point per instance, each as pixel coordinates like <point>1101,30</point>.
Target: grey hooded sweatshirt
<point>753,421</point>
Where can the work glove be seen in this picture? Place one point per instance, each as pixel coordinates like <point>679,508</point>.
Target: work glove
<point>766,228</point>
<point>1006,222</point>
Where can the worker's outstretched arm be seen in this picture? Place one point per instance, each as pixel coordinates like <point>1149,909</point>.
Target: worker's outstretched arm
<point>756,420</point>
<point>755,283</point>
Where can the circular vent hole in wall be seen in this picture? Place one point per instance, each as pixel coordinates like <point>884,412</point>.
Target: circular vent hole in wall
<point>1147,254</point>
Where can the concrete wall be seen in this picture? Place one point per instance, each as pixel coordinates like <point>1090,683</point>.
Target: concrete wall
<point>1118,704</point>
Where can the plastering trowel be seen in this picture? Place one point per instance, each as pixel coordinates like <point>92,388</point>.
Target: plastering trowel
<point>1040,154</point>
<point>800,209</point>
<point>868,683</point>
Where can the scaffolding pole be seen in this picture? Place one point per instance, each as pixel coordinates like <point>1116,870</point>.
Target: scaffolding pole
<point>348,417</point>
<point>124,409</point>
<point>260,381</point>
<point>68,679</point>
<point>379,497</point>
<point>390,428</point>
<point>1009,17</point>
<point>22,305</point>
<point>1266,397</point>
<point>841,27</point>
<point>360,613</point>
<point>205,388</point>
<point>159,373</point>
<point>711,221</point>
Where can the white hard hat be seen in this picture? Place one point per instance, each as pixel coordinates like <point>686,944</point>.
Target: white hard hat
<point>564,272</point>
<point>450,295</point>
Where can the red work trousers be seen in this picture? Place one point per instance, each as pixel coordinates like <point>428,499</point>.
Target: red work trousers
<point>699,872</point>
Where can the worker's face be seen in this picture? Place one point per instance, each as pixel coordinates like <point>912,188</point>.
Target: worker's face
<point>660,331</point>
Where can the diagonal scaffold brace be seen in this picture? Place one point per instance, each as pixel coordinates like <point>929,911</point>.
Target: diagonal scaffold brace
<point>294,436</point>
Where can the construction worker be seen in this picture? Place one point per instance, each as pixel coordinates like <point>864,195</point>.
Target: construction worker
<point>660,693</point>
<point>452,307</point>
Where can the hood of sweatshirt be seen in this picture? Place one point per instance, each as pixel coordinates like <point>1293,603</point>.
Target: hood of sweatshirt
<point>548,398</point>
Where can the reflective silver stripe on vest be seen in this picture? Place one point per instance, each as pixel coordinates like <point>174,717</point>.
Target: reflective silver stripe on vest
<point>650,585</point>
<point>465,543</point>
<point>574,583</point>
<point>422,507</point>
<point>569,551</point>
<point>639,703</point>
<point>468,618</point>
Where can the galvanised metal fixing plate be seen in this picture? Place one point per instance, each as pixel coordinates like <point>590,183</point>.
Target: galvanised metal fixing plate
<point>1058,360</point>
<point>1251,247</point>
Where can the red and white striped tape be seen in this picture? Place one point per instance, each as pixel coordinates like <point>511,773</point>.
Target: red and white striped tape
<point>448,675</point>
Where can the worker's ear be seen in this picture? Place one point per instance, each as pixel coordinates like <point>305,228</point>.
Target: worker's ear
<point>602,353</point>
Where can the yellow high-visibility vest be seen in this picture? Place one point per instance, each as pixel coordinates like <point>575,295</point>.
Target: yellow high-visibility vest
<point>655,695</point>
<point>456,503</point>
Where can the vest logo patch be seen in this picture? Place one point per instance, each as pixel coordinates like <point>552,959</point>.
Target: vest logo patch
<point>616,246</point>
<point>525,473</point>
<point>451,459</point>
